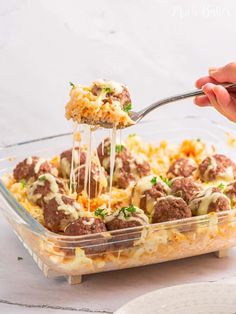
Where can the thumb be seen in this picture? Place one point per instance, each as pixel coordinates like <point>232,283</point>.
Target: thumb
<point>224,74</point>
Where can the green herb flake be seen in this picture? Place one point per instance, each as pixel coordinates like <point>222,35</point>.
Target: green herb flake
<point>102,212</point>
<point>42,178</point>
<point>107,90</point>
<point>154,180</point>
<point>198,140</point>
<point>119,148</point>
<point>19,258</point>
<point>127,210</point>
<point>72,84</point>
<point>221,186</point>
<point>166,181</point>
<point>23,183</point>
<point>128,107</point>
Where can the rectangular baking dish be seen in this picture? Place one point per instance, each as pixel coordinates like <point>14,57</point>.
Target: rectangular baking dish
<point>154,243</point>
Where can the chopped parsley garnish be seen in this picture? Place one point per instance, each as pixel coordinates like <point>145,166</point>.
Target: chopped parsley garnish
<point>166,181</point>
<point>102,212</point>
<point>72,84</point>
<point>132,135</point>
<point>154,180</point>
<point>19,258</point>
<point>107,90</point>
<point>119,148</point>
<point>23,183</point>
<point>128,107</point>
<point>198,140</point>
<point>42,178</point>
<point>127,210</point>
<point>221,186</point>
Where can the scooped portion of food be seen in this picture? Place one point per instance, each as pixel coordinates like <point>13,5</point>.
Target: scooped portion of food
<point>103,103</point>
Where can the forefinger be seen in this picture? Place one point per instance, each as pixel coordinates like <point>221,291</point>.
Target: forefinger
<point>204,80</point>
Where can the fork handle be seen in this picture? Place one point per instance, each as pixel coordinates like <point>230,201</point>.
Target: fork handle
<point>144,112</point>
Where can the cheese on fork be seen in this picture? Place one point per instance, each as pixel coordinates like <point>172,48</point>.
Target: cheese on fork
<point>103,102</point>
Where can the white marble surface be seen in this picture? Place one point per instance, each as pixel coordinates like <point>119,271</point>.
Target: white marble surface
<point>157,48</point>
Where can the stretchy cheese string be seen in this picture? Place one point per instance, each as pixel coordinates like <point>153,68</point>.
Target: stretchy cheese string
<point>72,172</point>
<point>112,162</point>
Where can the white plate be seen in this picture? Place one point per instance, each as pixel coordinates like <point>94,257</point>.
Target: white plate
<point>200,298</point>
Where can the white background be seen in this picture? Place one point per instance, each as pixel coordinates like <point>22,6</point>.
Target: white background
<point>157,48</point>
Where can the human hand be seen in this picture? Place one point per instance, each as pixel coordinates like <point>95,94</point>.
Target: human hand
<point>216,95</point>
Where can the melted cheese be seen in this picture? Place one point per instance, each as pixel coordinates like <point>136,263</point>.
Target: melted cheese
<point>144,184</point>
<point>38,165</point>
<point>139,216</point>
<point>29,161</point>
<point>203,200</point>
<point>68,209</point>
<point>73,160</point>
<point>90,222</point>
<point>116,87</point>
<point>112,163</point>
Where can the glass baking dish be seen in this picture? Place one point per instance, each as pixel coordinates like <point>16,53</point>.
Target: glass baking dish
<point>154,243</point>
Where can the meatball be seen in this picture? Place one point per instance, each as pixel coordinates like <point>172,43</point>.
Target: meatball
<point>170,208</point>
<point>182,167</point>
<point>66,158</point>
<point>122,95</point>
<point>230,192</point>
<point>126,217</point>
<point>85,226</point>
<point>96,181</point>
<point>185,188</point>
<point>127,168</point>
<point>210,200</point>
<point>217,167</point>
<point>44,187</point>
<point>147,190</point>
<point>59,211</point>
<point>33,167</point>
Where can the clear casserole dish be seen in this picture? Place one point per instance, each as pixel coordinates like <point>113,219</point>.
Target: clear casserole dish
<point>131,247</point>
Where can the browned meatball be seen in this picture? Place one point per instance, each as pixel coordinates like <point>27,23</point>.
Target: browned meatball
<point>44,187</point>
<point>230,192</point>
<point>126,217</point>
<point>123,97</point>
<point>127,167</point>
<point>185,188</point>
<point>33,167</point>
<point>170,208</point>
<point>96,182</point>
<point>66,158</point>
<point>217,167</point>
<point>59,211</point>
<point>210,200</point>
<point>85,225</point>
<point>182,167</point>
<point>88,225</point>
<point>147,190</point>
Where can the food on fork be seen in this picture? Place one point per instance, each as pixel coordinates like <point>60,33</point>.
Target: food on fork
<point>103,102</point>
